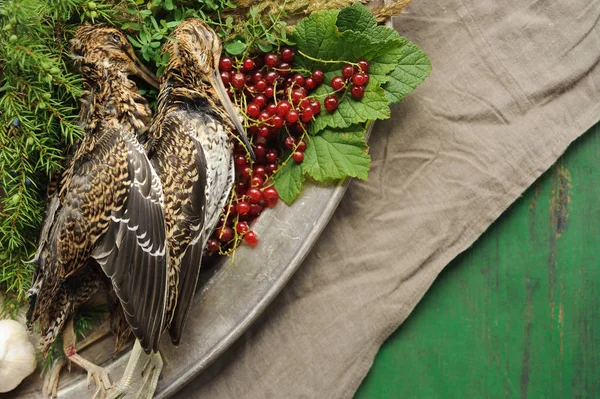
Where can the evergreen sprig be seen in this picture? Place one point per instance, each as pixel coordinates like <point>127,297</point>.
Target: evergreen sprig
<point>38,118</point>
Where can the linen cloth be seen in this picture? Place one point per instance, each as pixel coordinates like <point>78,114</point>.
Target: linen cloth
<point>513,83</point>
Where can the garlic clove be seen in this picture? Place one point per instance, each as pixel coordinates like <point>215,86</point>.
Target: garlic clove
<point>17,355</point>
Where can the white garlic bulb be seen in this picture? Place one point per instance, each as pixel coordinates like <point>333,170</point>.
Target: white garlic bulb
<point>17,354</point>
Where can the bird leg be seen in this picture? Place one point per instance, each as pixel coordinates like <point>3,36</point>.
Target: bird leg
<point>50,387</point>
<point>96,373</point>
<point>122,387</point>
<point>151,372</point>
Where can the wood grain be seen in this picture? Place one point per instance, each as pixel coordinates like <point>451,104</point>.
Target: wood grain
<point>518,314</point>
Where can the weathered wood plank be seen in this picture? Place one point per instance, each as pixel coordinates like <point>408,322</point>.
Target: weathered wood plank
<point>518,314</point>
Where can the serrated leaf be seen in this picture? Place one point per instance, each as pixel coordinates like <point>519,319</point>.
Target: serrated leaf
<point>412,69</point>
<point>356,17</point>
<point>374,105</point>
<point>288,181</point>
<point>317,36</point>
<point>334,155</point>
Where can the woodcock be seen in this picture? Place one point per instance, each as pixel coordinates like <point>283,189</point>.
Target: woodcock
<point>106,218</point>
<point>191,150</point>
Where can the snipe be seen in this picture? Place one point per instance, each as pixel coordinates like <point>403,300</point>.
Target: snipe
<point>106,217</point>
<point>191,150</point>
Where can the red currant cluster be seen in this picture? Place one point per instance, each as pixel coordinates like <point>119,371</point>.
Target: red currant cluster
<point>354,77</point>
<point>278,103</point>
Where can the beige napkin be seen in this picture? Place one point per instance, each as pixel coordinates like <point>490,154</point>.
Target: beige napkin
<point>513,83</point>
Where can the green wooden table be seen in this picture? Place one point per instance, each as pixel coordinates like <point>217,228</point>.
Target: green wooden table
<point>518,314</point>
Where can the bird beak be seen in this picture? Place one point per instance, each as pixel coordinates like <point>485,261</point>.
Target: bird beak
<point>233,115</point>
<point>143,72</point>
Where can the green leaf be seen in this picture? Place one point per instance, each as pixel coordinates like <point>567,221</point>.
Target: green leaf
<point>169,5</point>
<point>374,105</point>
<point>264,47</point>
<point>357,18</point>
<point>317,36</point>
<point>336,154</point>
<point>235,48</point>
<point>288,181</point>
<point>412,69</point>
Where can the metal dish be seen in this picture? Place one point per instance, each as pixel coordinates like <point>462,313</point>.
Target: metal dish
<point>231,296</point>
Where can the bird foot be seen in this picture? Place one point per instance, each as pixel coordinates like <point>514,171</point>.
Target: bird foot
<point>150,375</point>
<point>50,387</point>
<point>100,377</point>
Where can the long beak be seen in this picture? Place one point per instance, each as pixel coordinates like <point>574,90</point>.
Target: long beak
<point>234,116</point>
<point>146,74</point>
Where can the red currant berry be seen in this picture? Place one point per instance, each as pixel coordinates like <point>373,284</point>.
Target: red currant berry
<point>226,78</point>
<point>347,71</point>
<point>253,110</point>
<point>272,108</point>
<point>283,107</point>
<point>254,195</point>
<point>363,65</point>
<point>310,83</point>
<point>337,83</point>
<point>255,209</point>
<point>298,157</point>
<point>246,172</point>
<point>271,60</point>
<point>284,69</point>
<point>299,80</point>
<point>242,208</point>
<point>271,168</point>
<point>307,114</point>
<point>271,156</point>
<point>316,106</point>
<point>292,116</point>
<point>318,76</point>
<point>224,233</point>
<point>225,64</point>
<point>289,142</point>
<point>359,79</point>
<point>330,103</point>
<point>257,182</point>
<point>269,91</point>
<point>251,238</point>
<point>240,160</point>
<point>238,80</point>
<point>271,196</point>
<point>260,171</point>
<point>305,103</point>
<point>241,186</point>
<point>297,96</point>
<point>264,131</point>
<point>248,64</point>
<point>260,150</point>
<point>264,115</point>
<point>212,245</point>
<point>242,227</point>
<point>277,121</point>
<point>252,130</point>
<point>301,146</point>
<point>287,54</point>
<point>271,77</point>
<point>260,85</point>
<point>357,91</point>
<point>260,100</point>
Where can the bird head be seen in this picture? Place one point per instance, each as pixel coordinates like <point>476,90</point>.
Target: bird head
<point>107,48</point>
<point>195,50</point>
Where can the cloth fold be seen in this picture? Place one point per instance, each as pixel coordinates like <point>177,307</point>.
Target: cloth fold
<point>513,84</point>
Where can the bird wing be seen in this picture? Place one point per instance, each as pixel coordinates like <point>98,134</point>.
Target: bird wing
<point>189,270</point>
<point>133,252</point>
